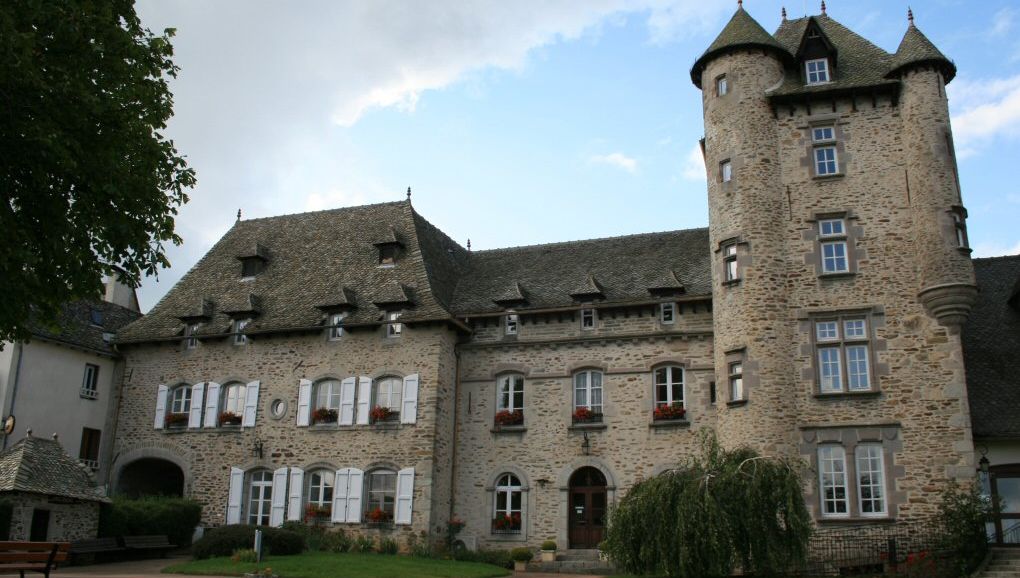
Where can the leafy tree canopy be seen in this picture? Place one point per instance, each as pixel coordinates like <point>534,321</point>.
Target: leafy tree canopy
<point>88,185</point>
<point>718,510</point>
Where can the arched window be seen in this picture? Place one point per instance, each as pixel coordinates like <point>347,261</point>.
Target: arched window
<point>588,396</point>
<point>388,392</point>
<point>510,399</point>
<point>327,401</point>
<point>232,406</point>
<point>506,516</point>
<point>319,494</point>
<point>669,393</point>
<point>381,489</point>
<point>260,496</point>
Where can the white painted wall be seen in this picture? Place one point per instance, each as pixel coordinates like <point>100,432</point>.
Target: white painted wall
<point>1000,452</point>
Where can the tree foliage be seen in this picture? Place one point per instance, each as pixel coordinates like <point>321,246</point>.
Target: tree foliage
<point>718,510</point>
<point>88,185</point>
<point>963,512</point>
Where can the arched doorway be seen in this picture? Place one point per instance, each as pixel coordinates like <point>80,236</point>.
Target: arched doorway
<point>150,477</point>
<point>587,509</point>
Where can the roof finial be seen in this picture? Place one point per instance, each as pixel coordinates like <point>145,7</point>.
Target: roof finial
<point>740,4</point>
<point>910,16</point>
<point>408,193</point>
<point>823,6</point>
<point>28,433</point>
<point>239,214</point>
<point>469,244</point>
<point>55,436</point>
<point>784,13</point>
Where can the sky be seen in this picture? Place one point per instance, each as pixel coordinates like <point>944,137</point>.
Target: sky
<point>516,122</point>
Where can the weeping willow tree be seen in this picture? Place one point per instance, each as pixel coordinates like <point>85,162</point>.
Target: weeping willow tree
<point>719,510</point>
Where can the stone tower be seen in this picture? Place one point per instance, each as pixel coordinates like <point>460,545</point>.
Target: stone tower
<point>841,270</point>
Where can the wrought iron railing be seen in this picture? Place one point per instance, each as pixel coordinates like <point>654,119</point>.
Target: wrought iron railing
<point>870,549</point>
<point>1011,534</point>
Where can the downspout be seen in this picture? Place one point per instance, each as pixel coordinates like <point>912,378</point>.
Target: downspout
<point>456,422</point>
<point>112,419</point>
<point>14,386</point>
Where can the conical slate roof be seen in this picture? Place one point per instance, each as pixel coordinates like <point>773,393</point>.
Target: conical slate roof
<point>742,31</point>
<point>41,466</point>
<point>915,49</point>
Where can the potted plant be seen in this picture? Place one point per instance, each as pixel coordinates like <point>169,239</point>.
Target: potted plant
<point>507,417</point>
<point>229,418</point>
<point>381,413</point>
<point>665,412</point>
<point>324,415</point>
<point>603,551</point>
<point>549,551</point>
<point>176,420</point>
<point>521,557</point>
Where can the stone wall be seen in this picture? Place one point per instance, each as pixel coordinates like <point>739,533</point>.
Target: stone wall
<point>69,520</point>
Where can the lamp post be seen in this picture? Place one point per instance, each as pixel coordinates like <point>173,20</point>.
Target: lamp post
<point>586,445</point>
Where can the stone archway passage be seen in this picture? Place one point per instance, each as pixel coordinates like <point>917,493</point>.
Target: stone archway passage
<point>151,477</point>
<point>586,510</point>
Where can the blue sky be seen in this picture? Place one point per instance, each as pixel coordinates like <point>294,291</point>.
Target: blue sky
<point>516,123</point>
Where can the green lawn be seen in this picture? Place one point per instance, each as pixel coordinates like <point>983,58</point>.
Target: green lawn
<point>328,565</point>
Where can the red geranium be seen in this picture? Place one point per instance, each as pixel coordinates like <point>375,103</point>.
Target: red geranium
<point>378,516</point>
<point>324,415</point>
<point>381,413</point>
<point>668,412</point>
<point>176,419</point>
<point>229,418</point>
<point>507,417</point>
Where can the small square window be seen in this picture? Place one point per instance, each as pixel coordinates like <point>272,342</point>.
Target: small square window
<point>667,312</point>
<point>831,228</point>
<point>238,330</point>
<point>726,171</point>
<point>736,381</point>
<point>825,161</point>
<point>731,271</point>
<point>960,227</point>
<point>855,329</point>
<point>823,133</point>
<point>336,328</point>
<point>817,71</point>
<point>387,254</point>
<point>511,324</point>
<point>393,328</point>
<point>89,384</point>
<point>587,319</point>
<point>721,86</point>
<point>834,257</point>
<point>827,330</point>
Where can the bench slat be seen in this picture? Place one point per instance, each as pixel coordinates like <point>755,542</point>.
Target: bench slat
<point>33,546</point>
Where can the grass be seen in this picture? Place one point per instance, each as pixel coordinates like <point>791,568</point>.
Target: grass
<point>329,565</point>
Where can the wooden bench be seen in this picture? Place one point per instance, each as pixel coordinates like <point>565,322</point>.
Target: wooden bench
<point>147,543</point>
<point>41,557</point>
<point>94,548</point>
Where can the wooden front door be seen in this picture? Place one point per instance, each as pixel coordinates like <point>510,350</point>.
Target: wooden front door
<point>587,508</point>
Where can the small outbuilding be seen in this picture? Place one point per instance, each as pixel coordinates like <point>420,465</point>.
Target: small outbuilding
<point>51,496</point>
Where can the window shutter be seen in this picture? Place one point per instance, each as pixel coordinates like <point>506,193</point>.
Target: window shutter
<point>364,398</point>
<point>234,496</point>
<point>405,495</point>
<point>279,501</point>
<point>409,407</point>
<point>304,402</point>
<point>251,404</point>
<point>354,487</point>
<point>340,485</point>
<point>195,413</point>
<point>212,404</point>
<point>161,393</point>
<point>347,400</point>
<point>297,484</point>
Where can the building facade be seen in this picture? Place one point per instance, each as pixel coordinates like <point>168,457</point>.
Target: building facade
<point>358,368</point>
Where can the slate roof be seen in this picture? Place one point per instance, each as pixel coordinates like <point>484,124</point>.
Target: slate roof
<point>627,269</point>
<point>742,31</point>
<point>74,326</point>
<point>311,257</point>
<point>991,350</point>
<point>41,466</point>
<point>915,48</point>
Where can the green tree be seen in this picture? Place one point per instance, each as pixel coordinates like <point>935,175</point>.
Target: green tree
<point>88,185</point>
<point>718,510</point>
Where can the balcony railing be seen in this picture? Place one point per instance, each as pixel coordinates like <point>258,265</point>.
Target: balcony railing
<point>89,393</point>
<point>91,464</point>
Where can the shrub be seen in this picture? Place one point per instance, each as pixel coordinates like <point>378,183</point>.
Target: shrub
<point>549,545</point>
<point>223,541</point>
<point>174,517</point>
<point>363,544</point>
<point>6,511</point>
<point>419,546</point>
<point>499,558</point>
<point>244,556</point>
<point>388,546</point>
<point>521,554</point>
<point>963,513</point>
<point>337,541</point>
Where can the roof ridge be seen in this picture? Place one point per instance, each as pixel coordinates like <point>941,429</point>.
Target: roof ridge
<point>997,258</point>
<point>320,211</point>
<point>592,240</point>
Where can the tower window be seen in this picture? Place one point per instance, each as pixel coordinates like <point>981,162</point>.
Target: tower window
<point>511,324</point>
<point>842,346</point>
<point>393,327</point>
<point>959,215</point>
<point>667,312</point>
<point>336,329</point>
<point>823,134</point>
<point>726,171</point>
<point>817,71</point>
<point>736,376</point>
<point>721,86</point>
<point>238,330</point>
<point>731,270</point>
<point>588,318</point>
<point>833,243</point>
<point>825,161</point>
<point>191,336</point>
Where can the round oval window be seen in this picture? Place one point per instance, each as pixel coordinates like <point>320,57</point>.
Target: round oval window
<point>278,408</point>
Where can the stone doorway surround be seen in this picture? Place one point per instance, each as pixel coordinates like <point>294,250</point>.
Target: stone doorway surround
<point>563,483</point>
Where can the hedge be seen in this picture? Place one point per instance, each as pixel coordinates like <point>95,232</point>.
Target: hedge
<point>223,541</point>
<point>174,517</point>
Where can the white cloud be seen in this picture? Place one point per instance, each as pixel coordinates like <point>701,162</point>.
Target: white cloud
<point>321,200</point>
<point>983,111</point>
<point>694,164</point>
<point>995,249</point>
<point>618,160</point>
<point>1002,22</point>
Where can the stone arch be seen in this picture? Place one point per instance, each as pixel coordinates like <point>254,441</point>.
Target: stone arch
<point>563,483</point>
<point>152,471</point>
<point>528,503</point>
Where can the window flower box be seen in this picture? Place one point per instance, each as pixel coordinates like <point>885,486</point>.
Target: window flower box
<point>383,414</point>
<point>176,420</point>
<point>378,518</point>
<point>325,415</point>
<point>229,418</point>
<point>315,513</point>
<point>507,524</point>
<point>669,412</point>
<point>509,418</point>
<point>586,415</point>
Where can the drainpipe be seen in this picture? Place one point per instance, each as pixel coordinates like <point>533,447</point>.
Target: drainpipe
<point>14,386</point>
<point>456,422</point>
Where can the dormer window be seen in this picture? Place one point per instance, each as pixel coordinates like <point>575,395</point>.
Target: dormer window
<point>817,71</point>
<point>191,336</point>
<point>336,327</point>
<point>387,255</point>
<point>587,318</point>
<point>238,330</point>
<point>511,324</point>
<point>251,266</point>
<point>393,327</point>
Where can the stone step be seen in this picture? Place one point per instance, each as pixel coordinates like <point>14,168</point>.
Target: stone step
<point>595,566</point>
<point>577,554</point>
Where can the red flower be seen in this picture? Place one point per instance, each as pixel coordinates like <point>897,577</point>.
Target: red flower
<point>507,417</point>
<point>381,413</point>
<point>666,412</point>
<point>324,415</point>
<point>377,516</point>
<point>229,418</point>
<point>176,419</point>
